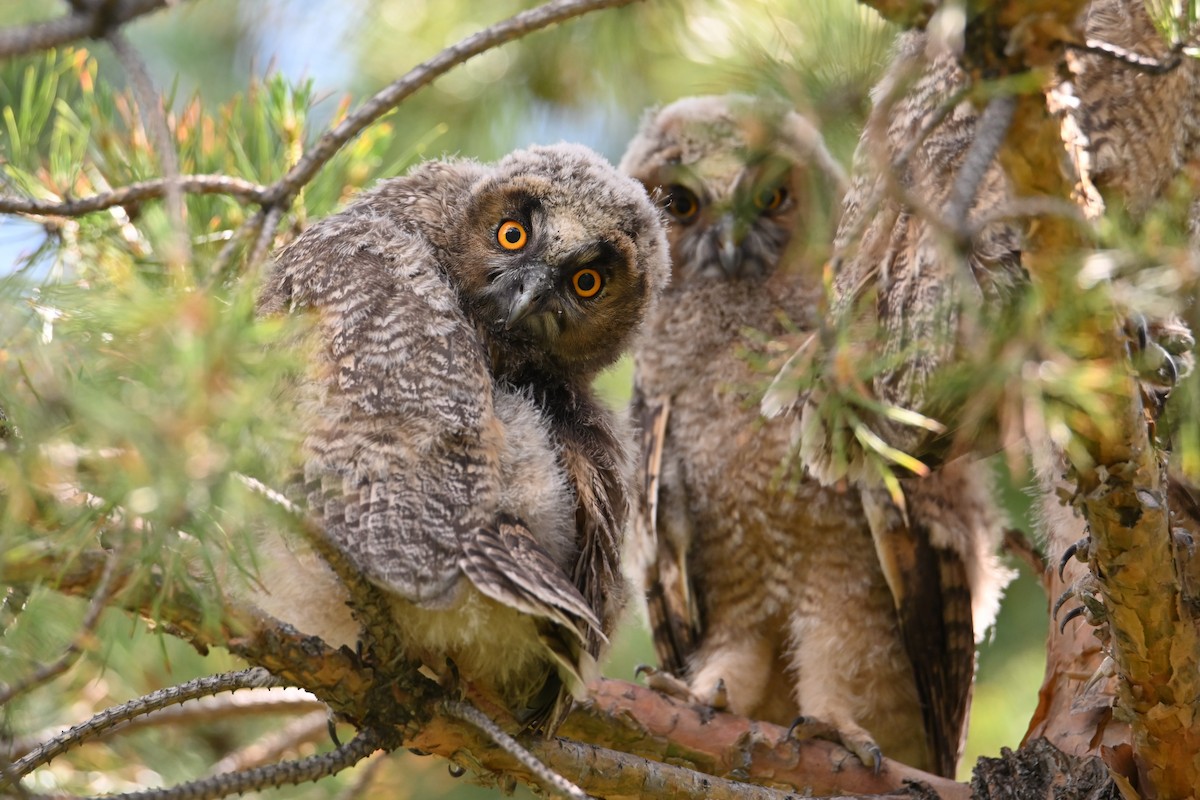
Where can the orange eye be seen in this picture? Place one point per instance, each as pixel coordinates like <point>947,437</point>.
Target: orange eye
<point>512,235</point>
<point>587,282</point>
<point>682,203</point>
<point>771,199</point>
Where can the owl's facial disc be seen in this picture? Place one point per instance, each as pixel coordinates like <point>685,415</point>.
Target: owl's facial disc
<point>727,231</point>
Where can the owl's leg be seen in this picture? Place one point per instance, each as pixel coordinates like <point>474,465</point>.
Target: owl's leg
<point>844,655</point>
<point>732,672</point>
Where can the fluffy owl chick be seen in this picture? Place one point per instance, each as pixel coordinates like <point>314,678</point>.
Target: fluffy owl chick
<point>768,593</point>
<point>455,454</point>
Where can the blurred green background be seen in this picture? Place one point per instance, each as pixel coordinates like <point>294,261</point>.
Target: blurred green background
<point>586,81</point>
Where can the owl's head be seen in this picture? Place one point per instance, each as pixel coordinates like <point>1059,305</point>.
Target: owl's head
<point>566,258</point>
<point>736,176</point>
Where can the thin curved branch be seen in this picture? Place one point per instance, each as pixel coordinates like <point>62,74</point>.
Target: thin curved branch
<point>133,193</point>
<point>94,22</point>
<point>990,131</point>
<point>264,237</point>
<point>256,703</point>
<point>281,193</point>
<point>255,677</point>
<point>548,778</point>
<point>48,672</point>
<point>248,231</point>
<point>388,98</point>
<point>288,773</point>
<point>272,746</point>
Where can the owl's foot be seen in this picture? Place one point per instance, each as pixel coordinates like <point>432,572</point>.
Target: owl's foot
<point>848,735</point>
<point>1086,590</point>
<point>662,681</point>
<point>1162,354</point>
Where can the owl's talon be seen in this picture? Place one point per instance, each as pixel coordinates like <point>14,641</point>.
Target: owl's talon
<point>871,757</point>
<point>331,727</point>
<point>810,728</point>
<point>1139,329</point>
<point>450,681</point>
<point>720,696</point>
<point>1080,550</point>
<point>1075,612</point>
<point>1061,601</point>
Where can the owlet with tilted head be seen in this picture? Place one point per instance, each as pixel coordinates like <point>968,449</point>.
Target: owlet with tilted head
<point>456,455</point>
<point>769,594</point>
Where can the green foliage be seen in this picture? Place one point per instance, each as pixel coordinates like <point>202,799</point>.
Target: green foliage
<point>1175,19</point>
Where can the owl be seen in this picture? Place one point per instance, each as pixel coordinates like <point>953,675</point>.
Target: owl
<point>769,594</point>
<point>455,453</point>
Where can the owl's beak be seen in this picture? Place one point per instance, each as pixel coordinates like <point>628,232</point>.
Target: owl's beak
<point>729,244</point>
<point>533,290</point>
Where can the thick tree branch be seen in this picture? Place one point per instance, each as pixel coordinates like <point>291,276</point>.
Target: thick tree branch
<point>627,731</point>
<point>638,720</point>
<point>1117,470</point>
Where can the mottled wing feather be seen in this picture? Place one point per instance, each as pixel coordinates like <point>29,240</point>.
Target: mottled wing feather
<point>666,583</point>
<point>399,468</point>
<point>507,564</point>
<point>887,250</point>
<point>933,605</point>
<point>594,456</point>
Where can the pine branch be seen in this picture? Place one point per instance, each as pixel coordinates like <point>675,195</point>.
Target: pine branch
<point>133,193</point>
<point>245,703</point>
<point>154,118</point>
<point>49,672</point>
<point>288,773</point>
<point>281,194</point>
<point>109,718</point>
<point>626,727</point>
<point>95,20</point>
